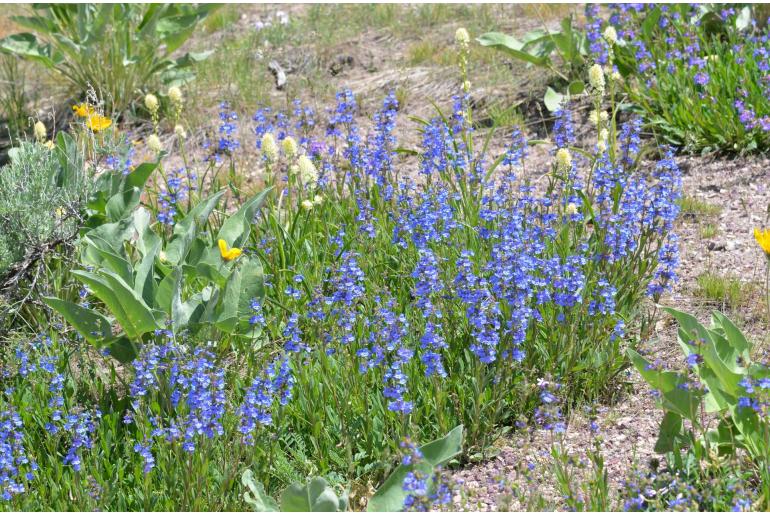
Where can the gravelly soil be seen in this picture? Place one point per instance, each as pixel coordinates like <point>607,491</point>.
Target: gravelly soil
<point>629,427</point>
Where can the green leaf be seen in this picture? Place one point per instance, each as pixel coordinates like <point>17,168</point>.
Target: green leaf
<point>26,45</point>
<point>198,215</point>
<point>512,47</point>
<point>670,430</point>
<point>122,349</point>
<point>553,100</point>
<point>144,283</point>
<point>235,230</point>
<point>390,496</point>
<point>256,496</point>
<point>131,313</point>
<point>93,326</point>
<point>183,313</point>
<point>576,87</point>
<point>314,497</point>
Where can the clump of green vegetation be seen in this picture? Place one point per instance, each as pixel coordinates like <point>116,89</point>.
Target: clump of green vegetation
<point>726,290</point>
<point>708,231</point>
<point>39,201</point>
<point>695,207</point>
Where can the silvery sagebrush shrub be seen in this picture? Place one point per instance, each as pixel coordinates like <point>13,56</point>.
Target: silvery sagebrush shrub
<point>39,200</point>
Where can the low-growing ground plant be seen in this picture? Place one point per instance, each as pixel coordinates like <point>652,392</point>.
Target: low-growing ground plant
<point>725,290</point>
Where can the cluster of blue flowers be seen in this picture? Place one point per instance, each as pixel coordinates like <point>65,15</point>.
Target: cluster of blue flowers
<point>15,467</point>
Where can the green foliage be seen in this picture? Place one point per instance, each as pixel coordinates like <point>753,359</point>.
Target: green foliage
<point>727,290</point>
<point>720,380</point>
<point>700,70</point>
<point>13,97</point>
<point>317,495</point>
<point>119,49</point>
<point>41,192</point>
<point>563,52</point>
<point>145,285</point>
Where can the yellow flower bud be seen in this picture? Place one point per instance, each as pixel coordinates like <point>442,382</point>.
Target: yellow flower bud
<point>289,147</point>
<point>154,144</point>
<point>180,132</point>
<point>318,200</point>
<point>563,159</point>
<point>572,209</point>
<point>269,148</point>
<point>596,77</point>
<point>307,205</point>
<point>40,131</point>
<point>49,144</point>
<point>151,103</point>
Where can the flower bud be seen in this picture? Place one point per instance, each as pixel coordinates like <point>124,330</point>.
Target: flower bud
<point>307,205</point>
<point>180,132</point>
<point>154,144</point>
<point>307,170</point>
<point>175,95</point>
<point>289,147</point>
<point>610,35</point>
<point>318,200</point>
<point>151,103</point>
<point>596,77</point>
<point>462,37</point>
<point>269,148</point>
<point>40,131</point>
<point>572,209</point>
<point>563,159</point>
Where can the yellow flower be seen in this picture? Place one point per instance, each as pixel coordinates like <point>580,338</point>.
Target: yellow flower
<point>83,110</point>
<point>49,144</point>
<point>228,254</point>
<point>763,238</point>
<point>97,122</point>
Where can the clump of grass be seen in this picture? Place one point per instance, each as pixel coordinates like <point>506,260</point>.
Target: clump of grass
<point>727,290</point>
<point>708,231</point>
<point>695,207</point>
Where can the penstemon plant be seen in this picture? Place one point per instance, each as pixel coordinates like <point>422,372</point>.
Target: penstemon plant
<point>390,304</point>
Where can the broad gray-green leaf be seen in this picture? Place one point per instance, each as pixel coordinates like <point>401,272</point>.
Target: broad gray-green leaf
<point>93,326</point>
<point>316,496</point>
<point>256,496</point>
<point>391,495</point>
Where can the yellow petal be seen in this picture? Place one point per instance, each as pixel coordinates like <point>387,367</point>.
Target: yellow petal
<point>223,248</point>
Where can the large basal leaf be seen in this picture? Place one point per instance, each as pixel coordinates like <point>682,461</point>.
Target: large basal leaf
<point>235,230</point>
<point>553,101</point>
<point>93,326</point>
<point>198,215</point>
<point>245,283</point>
<point>316,496</point>
<point>131,313</point>
<point>511,46</point>
<point>391,495</point>
<point>26,45</point>
<point>256,496</point>
<point>670,430</point>
<point>122,349</point>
